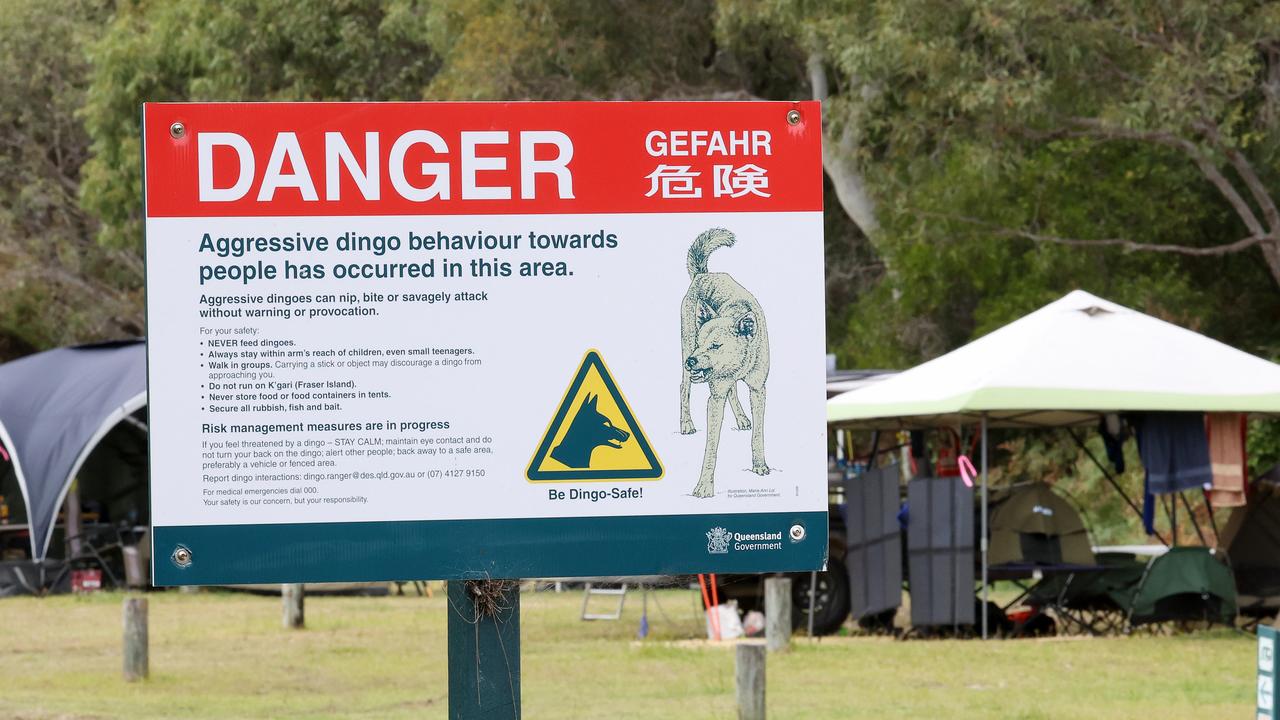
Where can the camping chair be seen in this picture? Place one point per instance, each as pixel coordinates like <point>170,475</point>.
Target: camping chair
<point>95,545</point>
<point>1186,584</point>
<point>1092,603</point>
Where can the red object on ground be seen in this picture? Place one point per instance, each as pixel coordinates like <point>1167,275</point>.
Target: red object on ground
<point>1021,615</point>
<point>712,615</point>
<point>715,603</point>
<point>84,581</point>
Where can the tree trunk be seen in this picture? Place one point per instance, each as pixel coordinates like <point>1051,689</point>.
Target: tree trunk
<point>838,159</point>
<point>1271,252</point>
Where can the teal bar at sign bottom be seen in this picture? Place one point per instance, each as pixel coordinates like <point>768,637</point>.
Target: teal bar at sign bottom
<point>493,548</point>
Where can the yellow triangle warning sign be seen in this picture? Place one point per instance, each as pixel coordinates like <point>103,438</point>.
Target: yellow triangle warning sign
<point>593,435</point>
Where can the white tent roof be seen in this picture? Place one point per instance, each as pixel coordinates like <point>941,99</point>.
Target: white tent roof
<point>1064,364</point>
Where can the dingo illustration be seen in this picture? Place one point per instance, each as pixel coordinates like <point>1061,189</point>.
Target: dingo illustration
<point>588,430</point>
<point>725,341</point>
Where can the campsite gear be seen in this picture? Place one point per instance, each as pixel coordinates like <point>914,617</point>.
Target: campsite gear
<point>1033,525</point>
<point>86,581</point>
<point>1227,455</point>
<point>724,623</point>
<point>590,590</point>
<point>1186,583</point>
<point>1060,366</point>
<point>1093,601</point>
<point>1175,456</point>
<point>1031,622</point>
<point>874,541</point>
<point>948,461</point>
<point>56,407</point>
<point>967,471</point>
<point>1021,614</point>
<point>707,604</point>
<point>940,552</point>
<point>1251,539</point>
<point>1113,437</point>
<point>1174,450</point>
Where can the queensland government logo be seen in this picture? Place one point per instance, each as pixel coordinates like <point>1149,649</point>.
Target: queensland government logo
<point>718,541</point>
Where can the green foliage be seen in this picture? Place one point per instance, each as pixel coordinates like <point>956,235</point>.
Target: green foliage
<point>1264,446</point>
<point>982,123</point>
<point>953,281</point>
<point>572,49</point>
<point>1054,458</point>
<point>56,284</point>
<point>983,129</point>
<point>237,50</point>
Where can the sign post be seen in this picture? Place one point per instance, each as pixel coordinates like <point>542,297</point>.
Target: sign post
<point>484,650</point>
<point>1266,672</point>
<point>484,342</point>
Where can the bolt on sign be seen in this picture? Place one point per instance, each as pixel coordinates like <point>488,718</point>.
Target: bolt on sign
<point>454,340</point>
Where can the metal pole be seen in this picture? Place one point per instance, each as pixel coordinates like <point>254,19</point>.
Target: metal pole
<point>1107,474</point>
<point>1192,515</point>
<point>484,650</point>
<point>984,527</point>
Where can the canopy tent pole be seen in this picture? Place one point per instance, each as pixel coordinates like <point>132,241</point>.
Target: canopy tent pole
<point>1107,474</point>
<point>1172,509</point>
<point>985,588</point>
<point>1194,522</point>
<point>1213,522</point>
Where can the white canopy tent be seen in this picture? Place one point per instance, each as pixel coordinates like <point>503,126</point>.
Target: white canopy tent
<point>1063,365</point>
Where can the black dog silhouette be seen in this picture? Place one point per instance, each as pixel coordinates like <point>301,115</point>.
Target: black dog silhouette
<point>589,430</point>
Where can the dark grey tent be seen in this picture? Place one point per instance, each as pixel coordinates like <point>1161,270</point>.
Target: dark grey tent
<point>1252,542</point>
<point>56,407</point>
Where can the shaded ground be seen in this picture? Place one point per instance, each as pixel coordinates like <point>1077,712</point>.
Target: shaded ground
<point>226,656</point>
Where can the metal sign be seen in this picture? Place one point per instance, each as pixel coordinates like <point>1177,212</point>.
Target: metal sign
<point>456,340</point>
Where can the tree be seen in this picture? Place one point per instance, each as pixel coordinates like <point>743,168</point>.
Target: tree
<point>235,50</point>
<point>575,50</point>
<point>1010,150</point>
<point>56,285</point>
<point>445,50</point>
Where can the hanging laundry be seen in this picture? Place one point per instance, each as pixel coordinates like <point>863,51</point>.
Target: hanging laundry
<point>1227,456</point>
<point>1175,455</point>
<point>1113,437</point>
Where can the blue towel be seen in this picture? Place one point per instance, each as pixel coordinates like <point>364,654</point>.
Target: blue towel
<point>1175,453</point>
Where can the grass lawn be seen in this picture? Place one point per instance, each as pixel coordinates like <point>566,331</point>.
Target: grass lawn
<point>222,655</point>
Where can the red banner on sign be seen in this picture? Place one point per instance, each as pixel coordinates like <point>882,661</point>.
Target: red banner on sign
<point>299,159</point>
